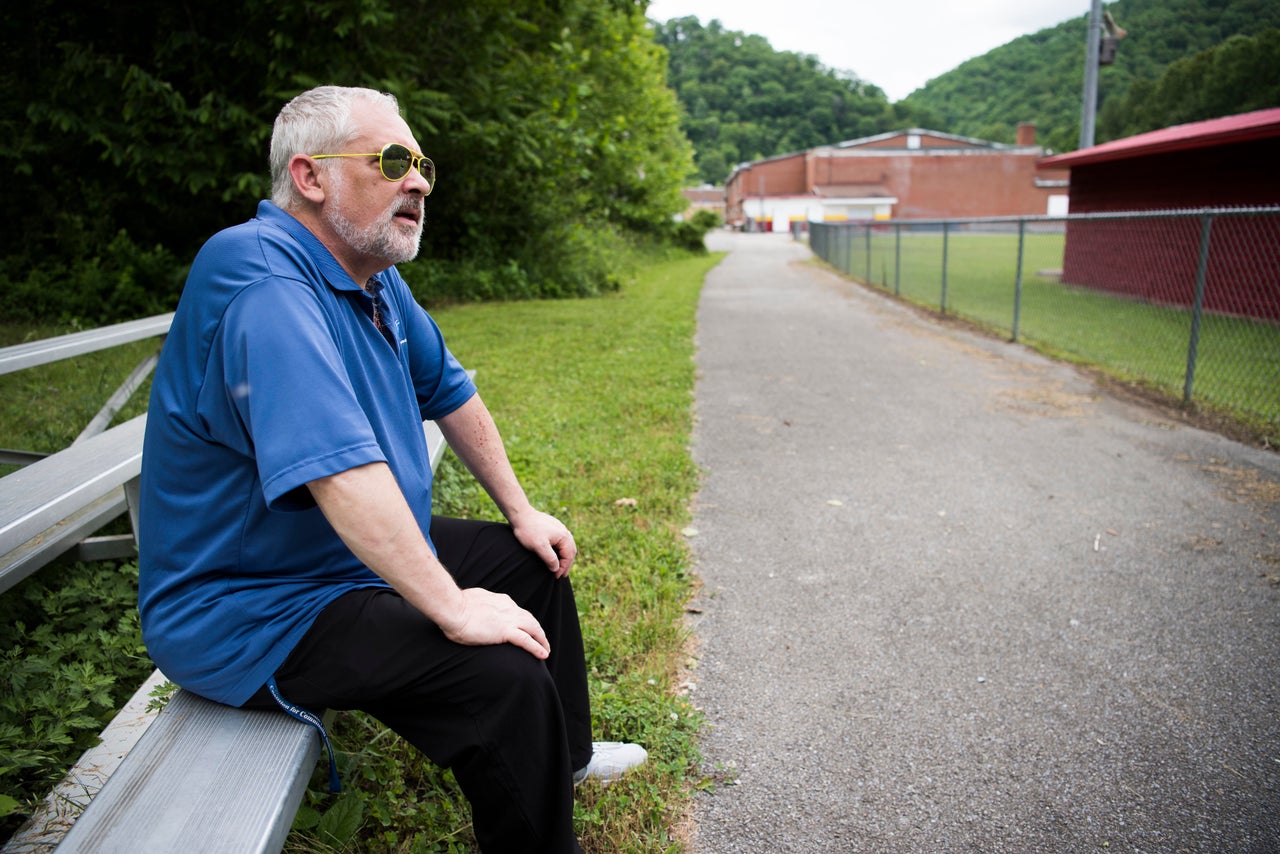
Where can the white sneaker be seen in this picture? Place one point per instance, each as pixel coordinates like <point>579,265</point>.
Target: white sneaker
<point>610,760</point>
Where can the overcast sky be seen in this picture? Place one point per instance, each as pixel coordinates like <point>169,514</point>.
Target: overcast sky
<point>898,45</point>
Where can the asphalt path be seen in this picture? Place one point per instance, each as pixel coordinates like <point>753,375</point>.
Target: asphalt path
<point>958,597</point>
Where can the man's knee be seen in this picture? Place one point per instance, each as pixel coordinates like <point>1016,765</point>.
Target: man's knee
<point>510,672</point>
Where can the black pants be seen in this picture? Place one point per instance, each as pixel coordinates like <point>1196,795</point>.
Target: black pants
<point>512,728</point>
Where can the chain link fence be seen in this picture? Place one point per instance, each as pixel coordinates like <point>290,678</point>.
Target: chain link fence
<point>1185,302</point>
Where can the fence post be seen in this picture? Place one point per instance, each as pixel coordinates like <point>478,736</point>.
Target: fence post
<point>868,241</point>
<point>846,263</point>
<point>945,233</point>
<point>1017,288</point>
<point>1197,309</point>
<point>897,259</point>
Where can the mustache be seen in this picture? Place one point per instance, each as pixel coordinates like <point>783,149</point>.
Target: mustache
<point>413,208</point>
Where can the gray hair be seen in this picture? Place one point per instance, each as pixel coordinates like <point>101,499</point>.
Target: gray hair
<point>317,121</point>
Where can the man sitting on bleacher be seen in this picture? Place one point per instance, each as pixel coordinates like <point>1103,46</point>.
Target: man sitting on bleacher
<point>288,551</point>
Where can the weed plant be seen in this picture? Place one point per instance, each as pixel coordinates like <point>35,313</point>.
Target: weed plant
<point>71,653</point>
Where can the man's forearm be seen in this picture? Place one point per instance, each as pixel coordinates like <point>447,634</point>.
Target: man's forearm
<point>368,511</point>
<point>473,436</point>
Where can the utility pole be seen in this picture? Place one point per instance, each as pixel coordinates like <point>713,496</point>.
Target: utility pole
<point>1100,50</point>
<point>1093,44</point>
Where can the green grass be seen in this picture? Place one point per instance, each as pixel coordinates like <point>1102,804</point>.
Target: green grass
<point>1237,371</point>
<point>44,408</point>
<point>593,397</point>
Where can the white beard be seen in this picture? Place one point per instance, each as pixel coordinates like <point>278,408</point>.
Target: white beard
<point>385,239</point>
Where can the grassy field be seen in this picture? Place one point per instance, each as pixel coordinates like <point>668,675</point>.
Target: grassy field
<point>594,401</point>
<point>1237,372</point>
<point>44,408</point>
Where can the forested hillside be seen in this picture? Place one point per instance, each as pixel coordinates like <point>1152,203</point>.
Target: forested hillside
<point>1183,60</point>
<point>743,100</point>
<point>1040,77</point>
<point>133,131</point>
<point>1240,75</point>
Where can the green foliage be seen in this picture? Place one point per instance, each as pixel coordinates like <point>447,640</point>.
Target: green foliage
<point>691,233</point>
<point>71,653</point>
<point>135,133</point>
<point>744,101</point>
<point>1237,76</point>
<point>1040,77</point>
<point>604,445</point>
<point>122,281</point>
<point>392,799</point>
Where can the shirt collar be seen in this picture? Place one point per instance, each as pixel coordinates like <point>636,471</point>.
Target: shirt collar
<point>334,274</point>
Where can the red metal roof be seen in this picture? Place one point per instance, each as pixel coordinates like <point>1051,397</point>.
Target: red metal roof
<point>1245,127</point>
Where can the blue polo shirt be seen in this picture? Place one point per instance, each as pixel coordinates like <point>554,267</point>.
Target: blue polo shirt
<point>273,375</point>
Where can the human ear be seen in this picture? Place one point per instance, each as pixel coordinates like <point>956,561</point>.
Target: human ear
<point>306,178</point>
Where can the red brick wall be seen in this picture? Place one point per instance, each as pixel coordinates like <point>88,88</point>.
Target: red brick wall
<point>939,186</point>
<point>1156,259</point>
<point>782,177</point>
<point>936,185</point>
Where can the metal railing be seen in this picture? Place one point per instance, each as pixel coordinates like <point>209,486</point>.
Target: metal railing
<point>1185,302</point>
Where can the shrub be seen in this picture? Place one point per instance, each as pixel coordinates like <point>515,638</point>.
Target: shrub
<point>125,282</point>
<point>71,653</point>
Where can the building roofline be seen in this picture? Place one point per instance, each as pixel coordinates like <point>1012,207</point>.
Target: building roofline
<point>746,164</point>
<point>1244,127</point>
<point>935,151</point>
<point>974,146</point>
<point>881,137</point>
<point>977,146</point>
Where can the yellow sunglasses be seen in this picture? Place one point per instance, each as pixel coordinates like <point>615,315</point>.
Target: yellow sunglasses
<point>395,161</point>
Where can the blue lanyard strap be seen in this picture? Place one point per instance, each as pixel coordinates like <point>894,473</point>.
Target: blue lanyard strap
<point>307,717</point>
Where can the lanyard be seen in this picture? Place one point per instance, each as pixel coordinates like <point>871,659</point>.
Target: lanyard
<point>298,713</point>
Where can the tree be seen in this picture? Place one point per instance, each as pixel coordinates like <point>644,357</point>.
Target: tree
<point>1039,77</point>
<point>135,132</point>
<point>1240,75</point>
<point>743,100</point>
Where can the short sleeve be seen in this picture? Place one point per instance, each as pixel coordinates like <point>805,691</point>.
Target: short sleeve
<point>277,388</point>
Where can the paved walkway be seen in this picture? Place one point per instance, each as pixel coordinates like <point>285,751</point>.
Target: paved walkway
<point>959,599</point>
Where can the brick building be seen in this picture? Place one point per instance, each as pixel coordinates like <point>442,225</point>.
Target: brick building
<point>1226,162</point>
<point>704,198</point>
<point>907,174</point>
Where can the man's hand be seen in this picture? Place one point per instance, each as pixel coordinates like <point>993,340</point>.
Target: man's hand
<point>548,538</point>
<point>494,618</point>
<point>365,506</point>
